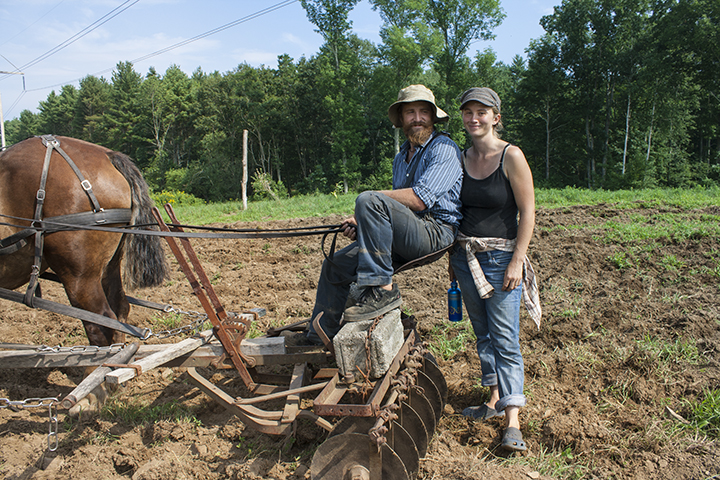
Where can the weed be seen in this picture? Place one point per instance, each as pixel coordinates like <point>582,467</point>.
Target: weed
<point>706,414</point>
<point>215,278</point>
<point>561,464</point>
<point>448,338</point>
<point>671,263</point>
<point>250,447</point>
<point>167,321</point>
<point>620,260</point>
<point>302,249</point>
<point>137,413</point>
<point>582,355</point>
<point>570,313</point>
<point>678,352</point>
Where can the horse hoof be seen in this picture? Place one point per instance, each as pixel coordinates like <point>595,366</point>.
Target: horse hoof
<point>90,405</point>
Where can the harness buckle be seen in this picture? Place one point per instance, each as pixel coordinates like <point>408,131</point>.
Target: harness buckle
<point>40,195</point>
<point>86,185</point>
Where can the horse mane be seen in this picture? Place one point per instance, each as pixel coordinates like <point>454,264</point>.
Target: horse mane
<point>145,264</point>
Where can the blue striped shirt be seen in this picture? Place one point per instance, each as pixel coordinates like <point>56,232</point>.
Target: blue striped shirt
<point>436,180</point>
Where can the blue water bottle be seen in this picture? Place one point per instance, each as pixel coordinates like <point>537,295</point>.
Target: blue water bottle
<point>454,302</point>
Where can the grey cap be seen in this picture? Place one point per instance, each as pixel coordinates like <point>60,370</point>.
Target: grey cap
<point>415,93</point>
<point>484,95</point>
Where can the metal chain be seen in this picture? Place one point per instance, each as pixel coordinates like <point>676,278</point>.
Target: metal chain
<point>78,348</point>
<point>194,326</point>
<point>51,403</point>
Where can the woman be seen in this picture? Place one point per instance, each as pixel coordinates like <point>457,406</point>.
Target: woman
<point>489,260</point>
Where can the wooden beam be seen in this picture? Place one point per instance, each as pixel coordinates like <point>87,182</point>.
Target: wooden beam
<point>122,375</point>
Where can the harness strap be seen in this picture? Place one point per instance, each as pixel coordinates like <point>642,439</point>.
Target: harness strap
<point>51,143</point>
<point>32,288</point>
<point>16,241</point>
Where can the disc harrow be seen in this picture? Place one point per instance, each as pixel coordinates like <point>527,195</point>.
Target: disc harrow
<point>378,428</point>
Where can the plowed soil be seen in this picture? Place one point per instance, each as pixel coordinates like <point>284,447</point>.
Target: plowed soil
<point>622,341</point>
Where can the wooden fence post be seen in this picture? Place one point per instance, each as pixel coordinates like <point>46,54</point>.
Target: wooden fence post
<point>245,172</point>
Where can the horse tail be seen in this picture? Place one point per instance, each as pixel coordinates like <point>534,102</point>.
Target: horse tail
<point>145,264</point>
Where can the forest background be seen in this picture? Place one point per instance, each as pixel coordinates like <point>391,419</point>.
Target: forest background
<point>617,94</point>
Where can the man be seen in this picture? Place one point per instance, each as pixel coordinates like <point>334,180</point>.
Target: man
<point>418,216</point>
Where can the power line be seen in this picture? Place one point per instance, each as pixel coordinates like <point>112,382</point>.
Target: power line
<point>247,18</point>
<point>97,23</point>
<point>36,21</point>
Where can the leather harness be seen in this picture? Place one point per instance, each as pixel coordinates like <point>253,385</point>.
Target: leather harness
<point>97,216</point>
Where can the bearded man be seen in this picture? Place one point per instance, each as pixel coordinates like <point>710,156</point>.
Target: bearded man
<point>420,215</point>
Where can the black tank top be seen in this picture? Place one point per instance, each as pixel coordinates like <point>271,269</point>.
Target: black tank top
<point>488,205</point>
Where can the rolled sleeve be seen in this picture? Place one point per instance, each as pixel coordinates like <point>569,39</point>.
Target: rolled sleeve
<point>441,172</point>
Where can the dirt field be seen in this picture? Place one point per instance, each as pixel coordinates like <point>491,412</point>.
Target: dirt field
<point>616,347</point>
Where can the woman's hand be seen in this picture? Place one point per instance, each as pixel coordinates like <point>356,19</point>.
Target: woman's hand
<point>513,275</point>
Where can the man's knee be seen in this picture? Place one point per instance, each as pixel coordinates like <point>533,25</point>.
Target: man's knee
<point>368,204</point>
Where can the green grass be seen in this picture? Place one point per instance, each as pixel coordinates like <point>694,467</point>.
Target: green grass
<point>552,464</point>
<point>706,413</point>
<point>305,206</point>
<point>652,197</point>
<point>664,356</point>
<point>448,338</point>
<point>677,226</point>
<point>136,412</point>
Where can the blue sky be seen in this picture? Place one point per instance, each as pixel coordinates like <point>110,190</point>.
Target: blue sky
<point>32,32</point>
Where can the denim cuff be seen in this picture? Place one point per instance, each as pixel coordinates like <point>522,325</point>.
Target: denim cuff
<point>489,380</point>
<point>368,281</point>
<point>514,400</point>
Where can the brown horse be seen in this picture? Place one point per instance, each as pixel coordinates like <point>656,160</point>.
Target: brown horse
<point>88,263</point>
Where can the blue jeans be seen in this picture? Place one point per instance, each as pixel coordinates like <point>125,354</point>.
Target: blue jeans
<point>496,323</point>
<point>386,230</point>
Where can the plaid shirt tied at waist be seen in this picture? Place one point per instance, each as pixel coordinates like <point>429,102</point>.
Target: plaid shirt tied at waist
<point>530,293</point>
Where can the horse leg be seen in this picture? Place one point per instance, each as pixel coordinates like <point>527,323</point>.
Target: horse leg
<point>83,278</point>
<point>115,293</point>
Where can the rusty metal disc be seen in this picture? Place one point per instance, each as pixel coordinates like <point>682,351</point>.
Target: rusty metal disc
<point>428,355</point>
<point>413,424</point>
<point>424,409</point>
<point>432,370</point>
<point>341,453</point>
<point>397,438</point>
<point>353,425</point>
<point>403,444</point>
<point>431,392</point>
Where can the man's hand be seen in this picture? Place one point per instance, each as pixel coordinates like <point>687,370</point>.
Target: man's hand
<point>349,226</point>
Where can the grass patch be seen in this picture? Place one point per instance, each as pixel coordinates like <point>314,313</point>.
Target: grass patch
<point>448,338</point>
<point>675,226</point>
<point>552,464</point>
<point>135,412</point>
<point>304,206</point>
<point>301,206</point>
<point>662,357</point>
<point>619,260</point>
<point>706,414</point>
<point>651,197</point>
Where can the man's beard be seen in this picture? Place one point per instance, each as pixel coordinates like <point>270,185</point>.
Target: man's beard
<point>418,136</point>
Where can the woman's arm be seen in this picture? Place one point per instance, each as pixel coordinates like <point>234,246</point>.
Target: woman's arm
<point>521,181</point>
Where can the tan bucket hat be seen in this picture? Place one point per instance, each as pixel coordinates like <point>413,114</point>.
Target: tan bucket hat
<point>415,93</point>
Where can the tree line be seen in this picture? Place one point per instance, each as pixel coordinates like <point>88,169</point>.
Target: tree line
<point>615,94</point>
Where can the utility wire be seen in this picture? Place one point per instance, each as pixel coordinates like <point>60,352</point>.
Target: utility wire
<point>247,18</point>
<point>97,23</point>
<point>36,21</point>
